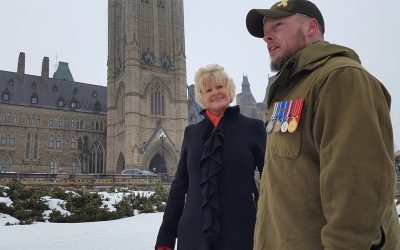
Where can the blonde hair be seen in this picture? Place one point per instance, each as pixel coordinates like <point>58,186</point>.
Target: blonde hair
<point>212,73</point>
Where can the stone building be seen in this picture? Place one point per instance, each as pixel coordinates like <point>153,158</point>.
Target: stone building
<point>51,125</point>
<point>146,85</point>
<point>56,124</point>
<point>247,103</point>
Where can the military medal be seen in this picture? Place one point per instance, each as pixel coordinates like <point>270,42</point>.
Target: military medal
<point>285,124</point>
<point>296,114</point>
<point>271,122</point>
<point>281,116</point>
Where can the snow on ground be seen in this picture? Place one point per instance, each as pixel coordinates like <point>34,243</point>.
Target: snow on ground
<point>133,233</point>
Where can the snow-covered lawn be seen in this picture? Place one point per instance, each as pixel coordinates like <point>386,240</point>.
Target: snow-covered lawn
<point>133,233</point>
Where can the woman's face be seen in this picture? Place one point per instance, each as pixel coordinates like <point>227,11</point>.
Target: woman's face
<point>215,97</point>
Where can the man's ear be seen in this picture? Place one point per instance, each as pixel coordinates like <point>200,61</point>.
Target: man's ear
<point>312,27</point>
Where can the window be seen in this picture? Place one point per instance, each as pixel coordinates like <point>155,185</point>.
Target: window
<point>3,140</point>
<point>34,100</point>
<point>61,123</point>
<point>76,167</point>
<point>60,103</point>
<point>11,141</point>
<point>6,97</point>
<point>97,159</point>
<point>14,119</point>
<point>53,166</point>
<point>5,165</point>
<point>51,141</point>
<point>51,122</point>
<point>74,143</point>
<point>58,142</point>
<point>36,147</point>
<point>28,146</point>
<point>157,100</point>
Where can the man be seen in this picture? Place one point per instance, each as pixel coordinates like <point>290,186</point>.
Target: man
<point>329,178</point>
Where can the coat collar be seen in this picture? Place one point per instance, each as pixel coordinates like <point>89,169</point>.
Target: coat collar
<point>308,59</point>
<point>208,127</point>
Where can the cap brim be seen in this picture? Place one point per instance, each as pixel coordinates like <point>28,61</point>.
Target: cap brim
<point>254,19</point>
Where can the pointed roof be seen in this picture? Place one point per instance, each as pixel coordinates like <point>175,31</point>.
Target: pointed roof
<point>246,97</point>
<point>63,72</point>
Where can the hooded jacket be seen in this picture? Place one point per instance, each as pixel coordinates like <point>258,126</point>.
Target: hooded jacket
<point>330,184</point>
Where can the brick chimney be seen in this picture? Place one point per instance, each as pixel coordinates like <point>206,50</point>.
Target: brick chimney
<point>45,69</point>
<point>21,66</point>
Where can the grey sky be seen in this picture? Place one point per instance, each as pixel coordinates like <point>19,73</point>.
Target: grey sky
<point>76,32</point>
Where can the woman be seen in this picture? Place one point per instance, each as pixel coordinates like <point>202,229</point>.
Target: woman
<point>212,200</point>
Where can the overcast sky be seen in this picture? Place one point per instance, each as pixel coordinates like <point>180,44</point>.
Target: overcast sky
<point>75,31</point>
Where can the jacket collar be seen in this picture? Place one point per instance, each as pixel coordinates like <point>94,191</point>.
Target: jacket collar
<point>208,126</point>
<point>308,59</point>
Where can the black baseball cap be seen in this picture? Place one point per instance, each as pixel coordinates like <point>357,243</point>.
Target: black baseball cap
<point>283,8</point>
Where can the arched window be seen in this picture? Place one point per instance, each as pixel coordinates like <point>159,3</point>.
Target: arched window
<point>28,146</point>
<point>58,142</point>
<point>36,147</point>
<point>97,126</point>
<point>11,140</point>
<point>53,166</point>
<point>5,165</point>
<point>51,141</point>
<point>120,104</point>
<point>76,167</point>
<point>97,159</point>
<point>3,140</point>
<point>101,126</point>
<point>6,95</point>
<point>97,106</point>
<point>74,143</point>
<point>80,143</point>
<point>34,98</point>
<point>157,100</point>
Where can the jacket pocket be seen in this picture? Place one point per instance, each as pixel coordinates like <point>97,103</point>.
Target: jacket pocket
<point>286,145</point>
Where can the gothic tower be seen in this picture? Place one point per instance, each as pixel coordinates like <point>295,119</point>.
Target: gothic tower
<point>146,85</point>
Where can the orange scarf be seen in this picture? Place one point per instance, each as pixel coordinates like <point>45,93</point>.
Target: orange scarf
<point>213,118</point>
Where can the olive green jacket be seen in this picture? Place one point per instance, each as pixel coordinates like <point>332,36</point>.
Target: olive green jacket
<point>330,184</point>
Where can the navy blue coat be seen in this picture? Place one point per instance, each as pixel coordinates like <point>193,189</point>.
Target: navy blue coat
<point>229,213</point>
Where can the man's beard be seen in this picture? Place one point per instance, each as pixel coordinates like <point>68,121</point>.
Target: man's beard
<point>278,64</point>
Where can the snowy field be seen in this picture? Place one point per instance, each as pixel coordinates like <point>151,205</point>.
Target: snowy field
<point>133,233</point>
<point>138,232</point>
